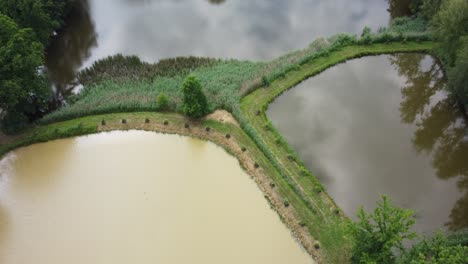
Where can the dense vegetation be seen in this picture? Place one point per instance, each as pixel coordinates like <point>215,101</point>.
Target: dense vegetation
<point>124,83</point>
<point>193,99</point>
<point>25,29</point>
<point>23,92</point>
<point>379,236</point>
<point>448,20</point>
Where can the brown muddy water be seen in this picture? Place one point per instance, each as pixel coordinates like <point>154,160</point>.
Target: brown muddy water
<point>136,197</point>
<point>382,125</point>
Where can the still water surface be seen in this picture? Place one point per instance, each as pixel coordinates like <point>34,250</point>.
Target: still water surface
<point>135,197</point>
<point>243,29</point>
<point>382,125</point>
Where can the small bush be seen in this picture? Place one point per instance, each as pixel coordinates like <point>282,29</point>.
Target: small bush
<point>258,112</point>
<point>166,122</point>
<point>187,125</point>
<point>103,122</point>
<point>124,121</point>
<point>286,203</point>
<point>318,189</point>
<point>147,120</point>
<point>243,149</point>
<point>265,81</point>
<point>272,185</point>
<point>337,211</point>
<point>256,165</point>
<point>14,122</point>
<point>163,102</point>
<point>228,136</point>
<point>207,129</point>
<point>302,224</point>
<point>317,245</point>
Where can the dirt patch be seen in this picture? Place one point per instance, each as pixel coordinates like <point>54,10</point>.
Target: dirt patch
<point>222,116</point>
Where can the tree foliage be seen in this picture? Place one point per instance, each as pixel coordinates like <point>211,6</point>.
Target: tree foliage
<point>43,16</point>
<point>163,101</point>
<point>458,75</point>
<point>440,249</point>
<point>377,235</point>
<point>194,103</point>
<point>23,89</point>
<point>450,24</point>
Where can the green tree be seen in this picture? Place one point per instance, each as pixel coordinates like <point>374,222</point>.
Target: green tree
<point>23,89</point>
<point>440,249</point>
<point>43,16</point>
<point>458,75</point>
<point>163,101</point>
<point>450,24</point>
<point>377,235</point>
<point>194,102</point>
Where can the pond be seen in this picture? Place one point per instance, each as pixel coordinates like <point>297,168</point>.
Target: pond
<point>382,125</point>
<point>241,29</point>
<point>136,197</point>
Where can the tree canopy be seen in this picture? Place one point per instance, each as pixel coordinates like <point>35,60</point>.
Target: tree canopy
<point>23,89</point>
<point>194,102</point>
<point>377,235</point>
<point>43,16</point>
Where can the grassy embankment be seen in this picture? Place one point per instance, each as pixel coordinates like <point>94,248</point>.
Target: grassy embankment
<point>300,192</point>
<point>317,210</point>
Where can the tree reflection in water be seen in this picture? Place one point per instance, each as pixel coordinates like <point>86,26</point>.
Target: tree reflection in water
<point>441,126</point>
<point>69,49</point>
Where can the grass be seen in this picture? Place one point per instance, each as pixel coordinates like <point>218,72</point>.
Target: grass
<point>316,209</point>
<point>223,82</point>
<point>220,80</point>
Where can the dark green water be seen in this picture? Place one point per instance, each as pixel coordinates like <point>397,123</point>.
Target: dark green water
<point>382,125</point>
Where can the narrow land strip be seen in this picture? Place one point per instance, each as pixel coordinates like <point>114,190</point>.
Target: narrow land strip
<point>292,190</point>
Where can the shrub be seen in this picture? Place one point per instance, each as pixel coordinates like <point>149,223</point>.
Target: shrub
<point>147,120</point>
<point>228,136</point>
<point>14,122</point>
<point>207,129</point>
<point>187,125</point>
<point>256,165</point>
<point>124,121</point>
<point>194,102</point>
<point>163,101</point>
<point>286,203</point>
<point>103,122</point>
<point>265,81</point>
<point>317,245</point>
<point>272,185</point>
<point>243,149</point>
<point>366,35</point>
<point>166,122</point>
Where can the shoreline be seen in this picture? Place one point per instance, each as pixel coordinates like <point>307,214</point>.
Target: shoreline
<point>300,200</point>
<point>217,135</point>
